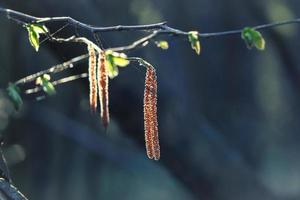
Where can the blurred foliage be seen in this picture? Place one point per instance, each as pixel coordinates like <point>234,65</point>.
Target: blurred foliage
<point>14,93</point>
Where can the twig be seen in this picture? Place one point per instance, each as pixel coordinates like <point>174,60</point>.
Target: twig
<point>9,192</point>
<point>72,62</point>
<point>58,82</point>
<point>52,70</point>
<point>137,43</point>
<point>162,26</point>
<point>25,18</point>
<point>155,29</point>
<point>259,27</point>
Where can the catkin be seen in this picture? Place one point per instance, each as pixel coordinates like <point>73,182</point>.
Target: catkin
<point>103,89</point>
<point>147,114</point>
<point>92,71</point>
<point>150,114</point>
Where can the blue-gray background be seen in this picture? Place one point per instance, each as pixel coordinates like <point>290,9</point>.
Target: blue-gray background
<point>228,119</point>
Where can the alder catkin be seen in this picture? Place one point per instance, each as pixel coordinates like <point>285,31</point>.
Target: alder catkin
<point>92,71</point>
<point>150,114</point>
<point>147,114</point>
<point>103,89</point>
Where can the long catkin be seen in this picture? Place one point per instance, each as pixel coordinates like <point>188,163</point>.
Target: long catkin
<point>92,71</point>
<point>150,114</point>
<point>147,114</point>
<point>103,89</point>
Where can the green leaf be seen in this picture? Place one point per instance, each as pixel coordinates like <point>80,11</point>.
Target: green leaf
<point>40,29</point>
<point>115,60</point>
<point>194,40</point>
<point>118,59</point>
<point>34,31</point>
<point>47,86</point>
<point>14,93</point>
<point>34,39</point>
<point>162,44</point>
<point>260,43</point>
<point>112,68</point>
<point>253,38</point>
<point>121,60</point>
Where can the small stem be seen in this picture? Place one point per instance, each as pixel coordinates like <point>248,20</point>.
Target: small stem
<point>259,27</point>
<point>52,70</point>
<point>137,43</point>
<point>58,82</point>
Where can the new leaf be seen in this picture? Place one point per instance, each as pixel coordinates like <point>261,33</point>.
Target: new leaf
<point>44,82</point>
<point>115,60</point>
<point>195,42</point>
<point>253,38</point>
<point>162,44</point>
<point>34,31</point>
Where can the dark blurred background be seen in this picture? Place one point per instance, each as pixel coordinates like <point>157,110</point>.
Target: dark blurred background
<point>228,119</point>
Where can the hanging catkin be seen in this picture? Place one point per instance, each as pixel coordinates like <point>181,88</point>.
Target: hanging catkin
<point>147,113</point>
<point>92,70</point>
<point>103,88</point>
<point>150,114</point>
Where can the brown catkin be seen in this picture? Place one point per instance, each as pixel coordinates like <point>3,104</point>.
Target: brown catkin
<point>147,113</point>
<point>103,89</point>
<point>150,114</point>
<point>155,140</point>
<point>92,70</point>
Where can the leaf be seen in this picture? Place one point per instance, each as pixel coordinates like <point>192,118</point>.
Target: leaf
<point>194,40</point>
<point>44,82</point>
<point>49,88</point>
<point>34,40</point>
<point>162,44</point>
<point>34,31</point>
<point>113,70</point>
<point>47,77</point>
<point>121,61</point>
<point>14,94</point>
<point>115,60</point>
<point>38,28</point>
<point>260,43</point>
<point>253,38</point>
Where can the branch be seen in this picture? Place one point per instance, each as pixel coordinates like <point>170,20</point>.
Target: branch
<point>141,42</point>
<point>53,69</point>
<point>9,192</point>
<point>154,29</point>
<point>259,27</point>
<point>76,60</point>
<point>58,82</point>
<point>23,18</point>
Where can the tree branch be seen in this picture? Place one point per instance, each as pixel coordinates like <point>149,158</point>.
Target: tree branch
<point>25,18</point>
<point>162,26</point>
<point>53,69</point>
<point>76,60</point>
<point>154,29</point>
<point>58,82</point>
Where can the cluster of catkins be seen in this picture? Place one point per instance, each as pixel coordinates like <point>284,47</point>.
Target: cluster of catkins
<point>98,80</point>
